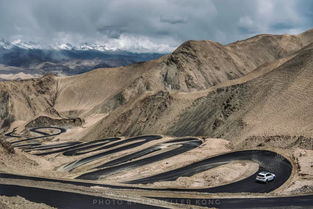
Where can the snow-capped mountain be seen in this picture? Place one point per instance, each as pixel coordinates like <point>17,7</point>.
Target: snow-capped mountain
<point>56,46</point>
<point>64,46</point>
<point>90,46</point>
<point>19,43</point>
<point>25,45</point>
<point>62,58</point>
<point>5,44</point>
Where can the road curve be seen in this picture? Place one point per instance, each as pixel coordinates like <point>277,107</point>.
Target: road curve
<point>69,200</point>
<point>267,160</point>
<point>36,130</point>
<point>126,144</point>
<point>185,145</point>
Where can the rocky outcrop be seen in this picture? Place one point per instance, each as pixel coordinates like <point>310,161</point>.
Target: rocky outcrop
<point>44,121</point>
<point>25,100</point>
<point>218,113</point>
<point>135,120</point>
<point>6,117</point>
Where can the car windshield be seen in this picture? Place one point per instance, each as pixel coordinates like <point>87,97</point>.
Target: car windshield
<point>261,175</point>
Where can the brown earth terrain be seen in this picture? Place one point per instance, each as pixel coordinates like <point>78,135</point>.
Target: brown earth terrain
<point>251,94</point>
<point>250,87</point>
<point>20,203</point>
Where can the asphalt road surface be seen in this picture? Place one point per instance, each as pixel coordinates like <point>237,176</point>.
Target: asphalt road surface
<point>267,160</point>
<point>68,200</point>
<point>297,202</point>
<point>184,145</point>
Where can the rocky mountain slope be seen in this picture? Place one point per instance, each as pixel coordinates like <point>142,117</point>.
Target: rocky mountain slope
<point>257,86</point>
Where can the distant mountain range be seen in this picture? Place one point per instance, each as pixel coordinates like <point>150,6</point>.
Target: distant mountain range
<point>85,46</point>
<point>261,86</point>
<point>20,59</point>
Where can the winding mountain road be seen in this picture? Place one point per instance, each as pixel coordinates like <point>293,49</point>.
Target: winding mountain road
<point>267,160</point>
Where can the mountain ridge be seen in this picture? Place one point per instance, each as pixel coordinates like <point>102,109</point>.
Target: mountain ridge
<point>83,46</point>
<point>20,60</point>
<point>182,93</point>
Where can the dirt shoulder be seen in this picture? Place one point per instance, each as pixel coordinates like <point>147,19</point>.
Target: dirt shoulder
<point>20,203</point>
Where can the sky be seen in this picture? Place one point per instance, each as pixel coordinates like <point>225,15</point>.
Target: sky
<point>150,25</point>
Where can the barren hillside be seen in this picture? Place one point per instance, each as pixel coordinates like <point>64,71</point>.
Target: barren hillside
<point>277,102</point>
<point>257,86</point>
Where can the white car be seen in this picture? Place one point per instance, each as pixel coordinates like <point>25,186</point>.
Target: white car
<point>265,176</point>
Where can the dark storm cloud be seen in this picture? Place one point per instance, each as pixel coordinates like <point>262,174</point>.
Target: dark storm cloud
<point>173,20</point>
<point>111,31</point>
<point>149,25</point>
<point>282,26</point>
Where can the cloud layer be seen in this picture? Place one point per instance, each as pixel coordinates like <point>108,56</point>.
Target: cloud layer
<point>149,25</point>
